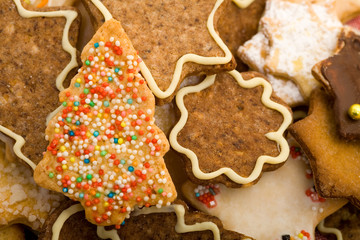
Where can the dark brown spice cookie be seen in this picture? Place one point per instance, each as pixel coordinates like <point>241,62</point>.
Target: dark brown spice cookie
<point>159,226</point>
<point>31,58</point>
<point>238,25</point>
<point>226,127</point>
<point>164,31</point>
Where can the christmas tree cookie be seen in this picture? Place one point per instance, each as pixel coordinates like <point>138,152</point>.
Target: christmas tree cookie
<point>104,148</point>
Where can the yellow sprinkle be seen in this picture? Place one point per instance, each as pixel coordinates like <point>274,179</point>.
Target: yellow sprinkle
<point>76,108</point>
<point>97,147</point>
<point>64,167</point>
<point>73,128</point>
<point>102,38</point>
<point>106,204</point>
<point>102,58</point>
<point>72,159</point>
<point>300,235</point>
<point>63,148</point>
<point>99,115</point>
<point>120,140</point>
<point>123,124</point>
<point>78,80</point>
<point>88,134</point>
<point>57,130</point>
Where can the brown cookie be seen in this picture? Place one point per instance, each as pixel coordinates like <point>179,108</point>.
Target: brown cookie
<point>223,129</point>
<point>32,57</point>
<point>237,25</point>
<point>163,32</point>
<point>340,74</point>
<point>347,221</point>
<point>13,232</point>
<point>158,226</point>
<point>335,162</point>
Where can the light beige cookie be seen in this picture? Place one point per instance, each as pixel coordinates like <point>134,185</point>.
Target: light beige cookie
<point>21,200</point>
<point>283,202</point>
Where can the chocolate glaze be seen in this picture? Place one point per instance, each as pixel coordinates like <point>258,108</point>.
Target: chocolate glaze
<point>342,71</point>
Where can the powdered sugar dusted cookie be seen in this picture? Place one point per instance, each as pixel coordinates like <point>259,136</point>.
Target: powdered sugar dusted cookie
<point>105,150</point>
<point>254,53</point>
<point>283,204</point>
<point>21,200</point>
<point>299,35</point>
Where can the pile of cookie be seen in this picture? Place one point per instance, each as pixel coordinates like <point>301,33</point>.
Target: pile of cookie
<point>206,119</point>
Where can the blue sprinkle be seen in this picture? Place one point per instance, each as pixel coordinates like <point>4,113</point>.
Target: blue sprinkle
<point>116,140</point>
<point>117,70</point>
<point>197,194</point>
<point>111,195</point>
<point>76,103</point>
<point>131,169</point>
<point>71,133</point>
<point>81,195</point>
<point>77,84</point>
<point>130,101</point>
<point>65,190</point>
<point>77,123</point>
<point>86,160</point>
<point>96,133</point>
<point>110,79</point>
<point>96,45</point>
<point>123,223</point>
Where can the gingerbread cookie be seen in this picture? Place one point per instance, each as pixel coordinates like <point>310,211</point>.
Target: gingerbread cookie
<point>344,222</point>
<point>105,150</point>
<point>231,129</point>
<point>297,36</point>
<point>177,223</point>
<point>335,162</point>
<point>178,38</point>
<point>21,200</point>
<point>340,74</point>
<point>282,205</point>
<point>239,24</point>
<point>32,69</point>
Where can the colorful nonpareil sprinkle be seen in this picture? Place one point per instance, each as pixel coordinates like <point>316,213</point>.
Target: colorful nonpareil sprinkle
<point>206,194</point>
<point>106,150</point>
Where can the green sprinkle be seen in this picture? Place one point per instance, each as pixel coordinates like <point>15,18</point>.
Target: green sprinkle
<point>130,101</point>
<point>77,84</point>
<point>86,91</point>
<point>133,137</point>
<point>92,104</point>
<point>51,175</point>
<point>87,62</point>
<point>103,153</point>
<point>89,176</point>
<point>64,104</point>
<point>106,103</point>
<point>160,190</point>
<point>97,195</point>
<point>68,119</point>
<point>79,179</point>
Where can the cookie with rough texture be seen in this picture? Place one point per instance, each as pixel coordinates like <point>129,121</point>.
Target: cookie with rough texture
<point>169,30</point>
<point>340,74</point>
<point>104,148</point>
<point>13,232</point>
<point>21,200</point>
<point>139,226</point>
<point>334,161</point>
<point>237,25</point>
<point>223,128</point>
<point>282,203</point>
<point>29,69</point>
<point>347,221</point>
<point>298,35</point>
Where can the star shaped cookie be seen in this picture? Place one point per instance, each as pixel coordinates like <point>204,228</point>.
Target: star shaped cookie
<point>340,74</point>
<point>283,204</point>
<point>335,162</point>
<point>34,64</point>
<point>173,36</point>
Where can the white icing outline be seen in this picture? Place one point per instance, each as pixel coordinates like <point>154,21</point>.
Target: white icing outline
<point>243,3</point>
<point>70,16</point>
<point>183,59</point>
<point>321,227</point>
<point>58,224</point>
<point>274,136</point>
